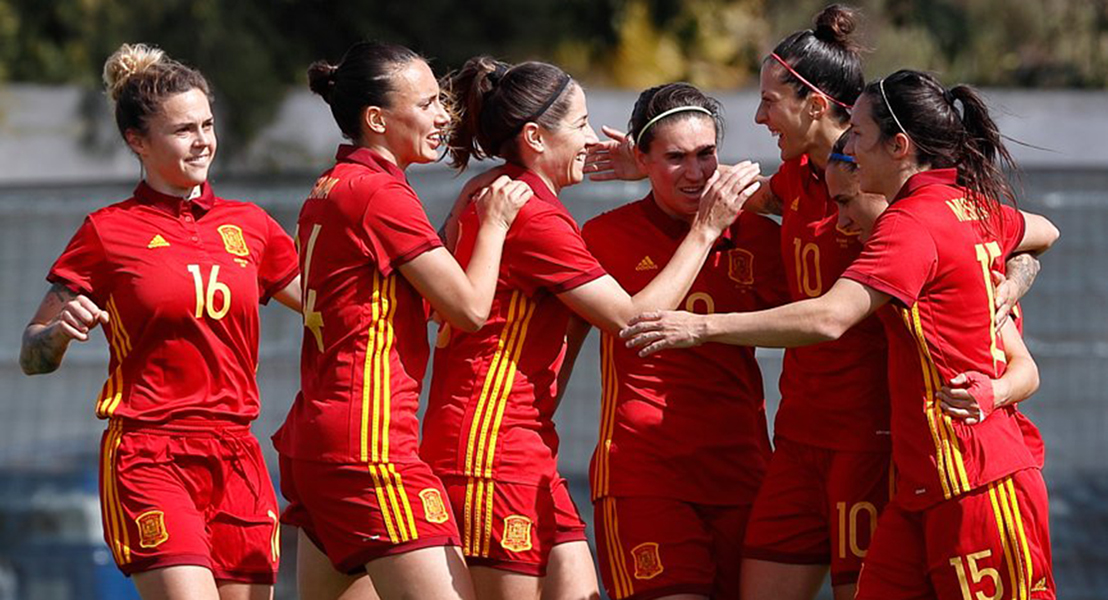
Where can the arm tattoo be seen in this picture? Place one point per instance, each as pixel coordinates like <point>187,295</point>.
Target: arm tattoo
<point>42,352</point>
<point>1023,268</point>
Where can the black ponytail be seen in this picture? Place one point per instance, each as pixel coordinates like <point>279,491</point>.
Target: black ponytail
<point>364,77</point>
<point>917,104</point>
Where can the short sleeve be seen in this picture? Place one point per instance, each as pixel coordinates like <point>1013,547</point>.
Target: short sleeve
<point>898,259</point>
<point>396,227</point>
<point>782,183</point>
<point>279,264</point>
<point>549,253</point>
<point>82,266</point>
<point>1013,226</point>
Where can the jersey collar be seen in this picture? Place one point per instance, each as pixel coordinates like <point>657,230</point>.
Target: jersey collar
<point>677,229</point>
<point>930,177</point>
<point>369,158</point>
<point>537,185</point>
<point>175,205</point>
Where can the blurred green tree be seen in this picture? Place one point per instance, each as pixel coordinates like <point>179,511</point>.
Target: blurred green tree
<point>253,51</point>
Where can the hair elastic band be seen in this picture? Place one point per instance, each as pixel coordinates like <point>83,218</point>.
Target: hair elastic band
<point>846,158</point>
<point>807,83</point>
<point>672,111</point>
<point>881,86</point>
<point>550,101</point>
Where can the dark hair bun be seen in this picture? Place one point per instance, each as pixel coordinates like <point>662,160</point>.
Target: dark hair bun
<point>836,24</point>
<point>321,79</point>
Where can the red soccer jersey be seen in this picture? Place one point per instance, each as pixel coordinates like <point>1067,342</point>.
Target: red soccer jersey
<point>365,327</point>
<point>181,282</point>
<point>490,412</point>
<point>835,394</point>
<point>687,424</point>
<point>933,253</point>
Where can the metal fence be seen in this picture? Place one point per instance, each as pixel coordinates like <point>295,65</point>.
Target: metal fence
<point>48,432</point>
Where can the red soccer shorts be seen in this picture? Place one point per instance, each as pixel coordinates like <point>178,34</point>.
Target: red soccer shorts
<point>356,513</point>
<point>654,547</point>
<point>993,542</point>
<point>178,496</point>
<point>513,526</point>
<point>818,506</point>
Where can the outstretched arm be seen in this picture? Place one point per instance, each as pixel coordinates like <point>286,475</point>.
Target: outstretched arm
<point>606,305</point>
<point>464,298</point>
<point>801,323</point>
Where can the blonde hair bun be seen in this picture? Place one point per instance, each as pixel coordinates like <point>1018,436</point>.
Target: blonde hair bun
<point>126,62</point>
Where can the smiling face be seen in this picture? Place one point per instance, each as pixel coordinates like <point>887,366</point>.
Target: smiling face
<point>858,210</point>
<point>878,170</point>
<point>562,161</point>
<point>784,113</point>
<point>681,159</point>
<point>178,145</point>
<point>414,123</point>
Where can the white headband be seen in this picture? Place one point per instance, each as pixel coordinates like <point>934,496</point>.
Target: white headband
<point>881,86</point>
<point>667,113</point>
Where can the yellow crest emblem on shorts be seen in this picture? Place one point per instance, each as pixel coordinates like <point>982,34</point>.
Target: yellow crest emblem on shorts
<point>233,240</point>
<point>433,508</point>
<point>151,526</point>
<point>648,563</point>
<point>517,533</point>
<point>741,266</point>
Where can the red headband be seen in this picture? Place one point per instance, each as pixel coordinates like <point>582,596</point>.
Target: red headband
<point>810,85</point>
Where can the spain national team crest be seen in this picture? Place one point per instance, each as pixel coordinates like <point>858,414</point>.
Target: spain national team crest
<point>517,533</point>
<point>151,526</point>
<point>741,267</point>
<point>648,563</point>
<point>433,508</point>
<point>233,240</point>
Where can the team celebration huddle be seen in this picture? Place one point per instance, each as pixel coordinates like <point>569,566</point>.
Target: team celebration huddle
<point>886,254</point>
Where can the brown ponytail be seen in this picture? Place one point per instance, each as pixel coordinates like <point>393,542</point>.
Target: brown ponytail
<point>492,101</point>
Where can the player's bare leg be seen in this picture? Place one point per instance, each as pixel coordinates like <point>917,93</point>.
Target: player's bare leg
<point>437,573</point>
<point>571,574</point>
<point>237,590</point>
<point>316,577</point>
<point>181,582</point>
<point>764,580</point>
<point>497,584</point>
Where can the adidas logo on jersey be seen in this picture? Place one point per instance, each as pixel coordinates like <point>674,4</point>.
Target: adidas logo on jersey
<point>158,242</point>
<point>795,206</point>
<point>1040,586</point>
<point>646,264</point>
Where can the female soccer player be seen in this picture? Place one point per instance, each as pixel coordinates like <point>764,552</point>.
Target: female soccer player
<point>828,477</point>
<point>489,429</point>
<point>362,498</point>
<point>970,513</point>
<point>858,211</point>
<point>683,443</point>
<point>175,275</point>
